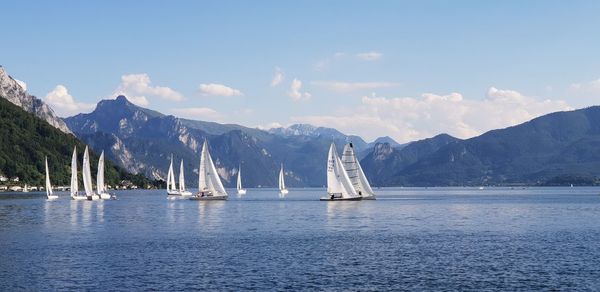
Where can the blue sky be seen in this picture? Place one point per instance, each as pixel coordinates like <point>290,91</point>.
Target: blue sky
<point>407,69</point>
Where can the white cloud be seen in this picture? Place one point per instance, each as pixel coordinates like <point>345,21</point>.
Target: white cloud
<point>295,92</point>
<point>137,87</point>
<point>64,104</point>
<point>369,56</point>
<point>278,77</point>
<point>22,84</point>
<point>218,90</point>
<point>339,86</point>
<point>197,113</point>
<point>408,119</point>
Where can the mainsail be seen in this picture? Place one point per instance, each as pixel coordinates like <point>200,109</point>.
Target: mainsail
<point>87,174</point>
<point>338,182</point>
<point>355,172</point>
<point>48,185</point>
<point>208,178</point>
<point>171,178</point>
<point>74,182</point>
<point>181,177</point>
<point>239,178</point>
<point>101,188</point>
<point>281,179</point>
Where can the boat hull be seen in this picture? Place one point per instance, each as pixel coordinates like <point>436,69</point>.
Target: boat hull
<point>78,198</point>
<point>208,198</point>
<point>340,199</point>
<point>241,192</point>
<point>52,197</point>
<point>93,198</point>
<point>369,198</point>
<point>178,193</point>
<point>104,196</point>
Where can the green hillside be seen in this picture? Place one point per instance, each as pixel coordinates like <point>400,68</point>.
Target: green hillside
<point>25,140</point>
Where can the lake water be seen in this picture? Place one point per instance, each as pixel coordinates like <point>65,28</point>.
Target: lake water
<point>409,239</point>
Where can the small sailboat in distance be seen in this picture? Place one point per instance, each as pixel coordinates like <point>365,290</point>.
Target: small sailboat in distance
<point>74,183</point>
<point>87,177</point>
<point>355,173</point>
<point>171,188</point>
<point>209,184</point>
<point>282,189</point>
<point>339,186</point>
<point>100,185</point>
<point>49,194</point>
<point>182,190</point>
<point>240,190</point>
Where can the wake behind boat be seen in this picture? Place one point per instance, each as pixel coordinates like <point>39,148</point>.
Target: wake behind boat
<point>339,186</point>
<point>210,187</point>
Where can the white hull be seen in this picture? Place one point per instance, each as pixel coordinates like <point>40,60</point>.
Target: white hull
<point>340,199</point>
<point>93,198</point>
<point>284,192</point>
<point>241,192</point>
<point>104,196</point>
<point>178,193</point>
<point>78,198</point>
<point>369,198</point>
<point>208,198</point>
<point>52,197</point>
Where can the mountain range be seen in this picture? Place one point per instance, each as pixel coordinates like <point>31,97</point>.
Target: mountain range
<point>556,149</point>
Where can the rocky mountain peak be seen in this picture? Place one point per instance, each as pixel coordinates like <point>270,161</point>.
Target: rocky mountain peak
<point>11,90</point>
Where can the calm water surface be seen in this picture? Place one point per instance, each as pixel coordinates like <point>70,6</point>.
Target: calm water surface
<point>409,239</point>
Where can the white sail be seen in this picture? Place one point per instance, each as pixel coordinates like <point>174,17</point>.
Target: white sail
<point>74,182</point>
<point>239,178</point>
<point>100,187</point>
<point>208,178</point>
<point>181,178</point>
<point>87,174</point>
<point>171,177</point>
<point>355,172</point>
<point>282,179</point>
<point>48,185</point>
<point>338,182</point>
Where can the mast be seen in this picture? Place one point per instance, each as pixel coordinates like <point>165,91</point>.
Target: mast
<point>48,185</point>
<point>74,182</point>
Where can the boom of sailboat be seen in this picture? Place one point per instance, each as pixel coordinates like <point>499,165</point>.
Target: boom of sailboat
<point>346,180</point>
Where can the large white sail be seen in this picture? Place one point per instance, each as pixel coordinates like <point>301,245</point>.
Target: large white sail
<point>49,192</point>
<point>239,178</point>
<point>355,172</point>
<point>208,178</point>
<point>181,178</point>
<point>101,188</point>
<point>281,179</point>
<point>87,174</point>
<point>74,182</point>
<point>171,178</point>
<point>338,182</point>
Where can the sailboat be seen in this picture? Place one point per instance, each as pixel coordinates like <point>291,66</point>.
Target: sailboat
<point>209,184</point>
<point>100,186</point>
<point>49,194</point>
<point>171,187</point>
<point>356,174</point>
<point>182,190</point>
<point>240,190</point>
<point>339,186</point>
<point>87,177</point>
<point>74,183</point>
<point>282,189</point>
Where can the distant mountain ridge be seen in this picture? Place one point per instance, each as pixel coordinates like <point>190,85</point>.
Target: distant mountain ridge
<point>142,141</point>
<point>546,149</point>
<point>11,90</point>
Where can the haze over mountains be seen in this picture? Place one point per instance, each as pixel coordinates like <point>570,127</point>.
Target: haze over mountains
<point>558,148</point>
